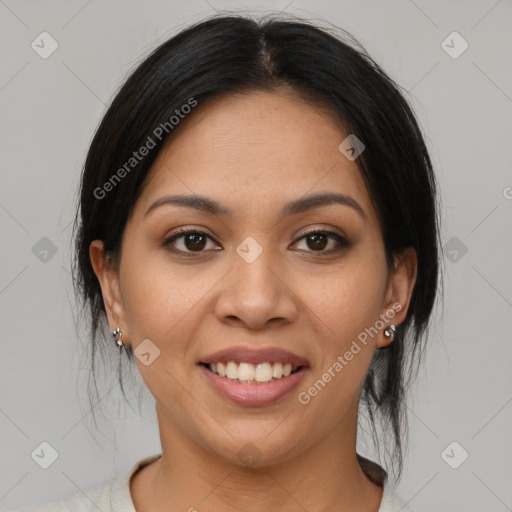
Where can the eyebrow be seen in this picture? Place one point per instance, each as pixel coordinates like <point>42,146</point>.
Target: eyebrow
<point>303,204</point>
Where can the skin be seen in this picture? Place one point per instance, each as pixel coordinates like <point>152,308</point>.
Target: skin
<point>240,150</point>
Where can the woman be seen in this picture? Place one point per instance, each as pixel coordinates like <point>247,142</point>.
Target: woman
<point>258,227</point>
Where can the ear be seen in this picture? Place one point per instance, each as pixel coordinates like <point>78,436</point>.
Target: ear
<point>108,276</point>
<point>399,290</point>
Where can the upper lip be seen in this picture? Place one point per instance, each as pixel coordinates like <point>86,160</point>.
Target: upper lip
<point>255,356</point>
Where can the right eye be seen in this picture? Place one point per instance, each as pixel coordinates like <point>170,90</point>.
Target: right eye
<point>190,241</point>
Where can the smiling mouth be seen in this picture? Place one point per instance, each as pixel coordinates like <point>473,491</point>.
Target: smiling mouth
<point>248,373</point>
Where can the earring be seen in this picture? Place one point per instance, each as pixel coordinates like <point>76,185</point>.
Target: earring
<point>389,331</point>
<point>119,342</point>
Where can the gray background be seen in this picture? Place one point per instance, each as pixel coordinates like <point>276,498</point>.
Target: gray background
<point>49,110</point>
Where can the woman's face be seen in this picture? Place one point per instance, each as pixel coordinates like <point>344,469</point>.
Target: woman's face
<point>254,281</point>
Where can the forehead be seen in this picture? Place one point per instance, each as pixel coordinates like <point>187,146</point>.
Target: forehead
<point>255,150</point>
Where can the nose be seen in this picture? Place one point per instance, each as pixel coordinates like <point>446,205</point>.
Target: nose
<point>254,295</point>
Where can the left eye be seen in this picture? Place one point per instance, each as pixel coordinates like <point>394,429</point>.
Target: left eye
<point>318,241</point>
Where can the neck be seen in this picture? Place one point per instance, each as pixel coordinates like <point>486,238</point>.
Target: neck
<point>328,476</point>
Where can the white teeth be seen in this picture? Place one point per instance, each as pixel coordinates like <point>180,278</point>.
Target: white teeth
<point>277,370</point>
<point>232,370</point>
<point>263,372</point>
<point>246,371</point>
<point>250,373</point>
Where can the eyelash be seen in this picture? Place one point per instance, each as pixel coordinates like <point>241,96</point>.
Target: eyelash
<point>341,241</point>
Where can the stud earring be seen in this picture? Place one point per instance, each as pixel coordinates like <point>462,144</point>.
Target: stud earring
<point>119,341</point>
<point>389,331</point>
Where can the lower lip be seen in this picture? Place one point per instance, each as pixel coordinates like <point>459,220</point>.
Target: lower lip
<point>254,394</point>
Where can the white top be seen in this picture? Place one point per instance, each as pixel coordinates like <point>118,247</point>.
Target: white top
<point>114,496</point>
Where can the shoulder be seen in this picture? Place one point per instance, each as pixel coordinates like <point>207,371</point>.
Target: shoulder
<point>113,495</point>
<point>378,475</point>
<point>87,501</point>
<point>391,502</point>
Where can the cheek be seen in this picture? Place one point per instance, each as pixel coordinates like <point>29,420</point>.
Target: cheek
<point>347,304</point>
<point>159,299</point>
<point>348,299</point>
<point>161,304</point>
